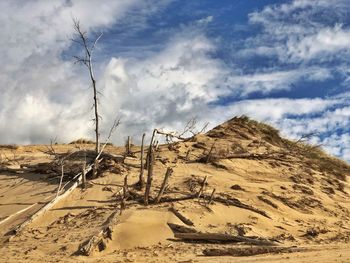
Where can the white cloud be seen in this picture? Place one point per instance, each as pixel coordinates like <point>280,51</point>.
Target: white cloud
<point>43,96</point>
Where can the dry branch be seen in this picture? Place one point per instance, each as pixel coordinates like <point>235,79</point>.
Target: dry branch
<point>181,217</point>
<point>202,188</point>
<point>211,196</point>
<point>168,173</point>
<point>46,207</point>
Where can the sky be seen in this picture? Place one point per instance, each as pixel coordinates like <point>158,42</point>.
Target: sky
<point>161,63</point>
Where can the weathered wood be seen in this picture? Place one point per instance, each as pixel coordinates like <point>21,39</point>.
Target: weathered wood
<point>61,179</point>
<point>202,187</point>
<point>248,251</point>
<point>181,229</point>
<point>125,187</point>
<point>128,147</point>
<point>211,196</point>
<point>224,238</point>
<point>168,173</point>
<point>235,202</point>
<point>99,240</point>
<point>141,182</point>
<point>83,176</point>
<point>95,169</point>
<point>13,232</point>
<point>210,153</point>
<point>181,217</point>
<point>187,154</point>
<point>149,175</point>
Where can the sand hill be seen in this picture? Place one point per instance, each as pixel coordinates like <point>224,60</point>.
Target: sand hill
<point>239,193</point>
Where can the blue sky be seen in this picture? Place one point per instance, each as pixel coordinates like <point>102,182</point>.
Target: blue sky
<point>160,63</point>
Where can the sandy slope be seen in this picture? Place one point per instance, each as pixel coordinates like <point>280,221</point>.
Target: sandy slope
<point>307,204</point>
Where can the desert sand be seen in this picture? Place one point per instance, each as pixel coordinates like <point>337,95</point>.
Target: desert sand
<point>283,192</point>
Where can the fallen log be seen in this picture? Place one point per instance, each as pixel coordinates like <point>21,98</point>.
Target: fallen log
<point>248,251</point>
<point>181,229</point>
<point>13,232</point>
<point>99,240</point>
<point>223,238</point>
<point>235,202</point>
<point>181,217</point>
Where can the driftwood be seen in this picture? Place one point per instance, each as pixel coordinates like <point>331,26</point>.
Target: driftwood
<point>168,173</point>
<point>248,251</point>
<point>181,217</point>
<point>223,238</point>
<point>98,241</point>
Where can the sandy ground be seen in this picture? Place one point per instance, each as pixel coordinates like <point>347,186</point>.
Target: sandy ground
<point>309,214</point>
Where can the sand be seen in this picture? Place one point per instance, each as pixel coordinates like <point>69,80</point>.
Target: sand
<point>307,207</point>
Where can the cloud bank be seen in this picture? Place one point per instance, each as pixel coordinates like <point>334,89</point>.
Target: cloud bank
<point>44,95</point>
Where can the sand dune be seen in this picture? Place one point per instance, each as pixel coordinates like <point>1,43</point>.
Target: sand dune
<point>278,190</point>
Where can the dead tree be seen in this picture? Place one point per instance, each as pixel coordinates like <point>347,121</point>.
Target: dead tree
<point>141,180</point>
<point>128,147</point>
<point>168,173</point>
<point>150,163</point>
<point>81,38</point>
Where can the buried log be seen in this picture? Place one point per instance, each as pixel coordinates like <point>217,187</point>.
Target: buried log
<point>223,238</point>
<point>98,241</point>
<point>248,251</point>
<point>181,217</point>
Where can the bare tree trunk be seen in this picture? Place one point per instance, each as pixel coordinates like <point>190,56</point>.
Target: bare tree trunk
<point>168,173</point>
<point>81,38</point>
<point>84,176</point>
<point>149,175</point>
<point>141,180</point>
<point>97,135</point>
<point>95,169</point>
